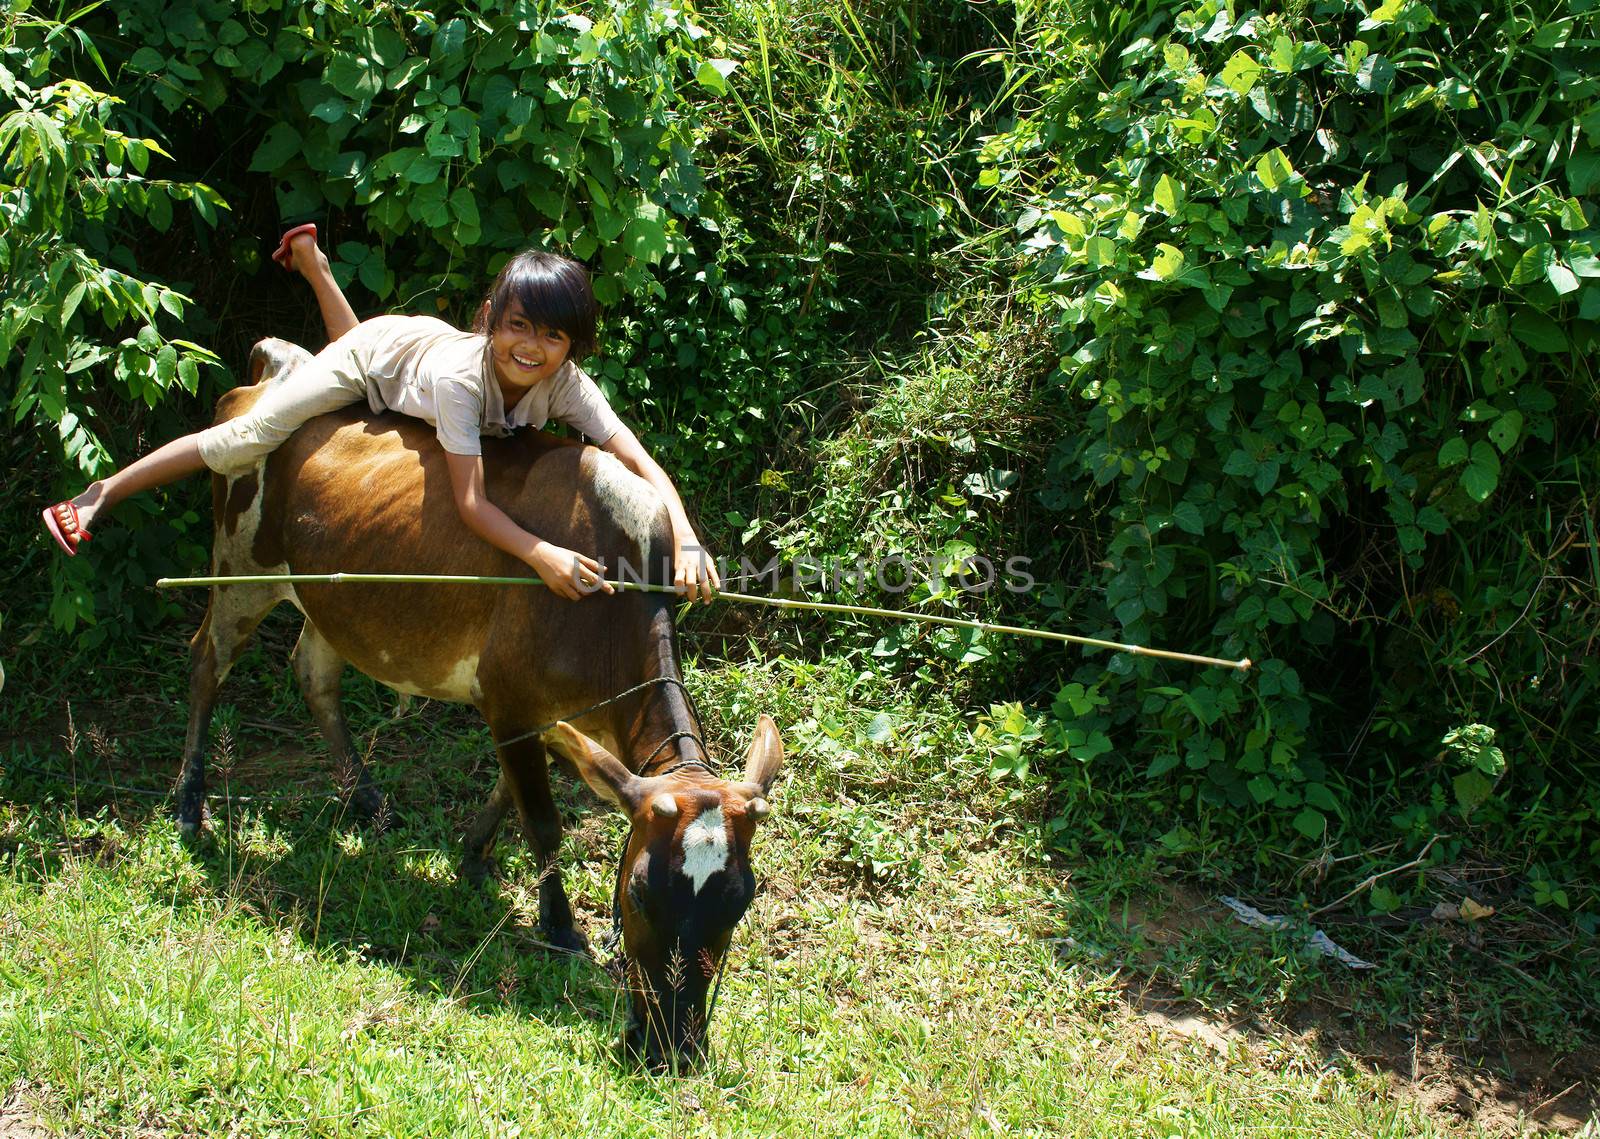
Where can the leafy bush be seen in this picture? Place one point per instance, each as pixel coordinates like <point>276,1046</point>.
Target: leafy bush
<point>82,330</point>
<point>1327,287</point>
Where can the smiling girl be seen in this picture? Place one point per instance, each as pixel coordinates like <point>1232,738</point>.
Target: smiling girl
<point>518,367</point>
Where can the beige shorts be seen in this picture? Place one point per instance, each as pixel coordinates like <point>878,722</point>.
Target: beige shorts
<point>331,379</point>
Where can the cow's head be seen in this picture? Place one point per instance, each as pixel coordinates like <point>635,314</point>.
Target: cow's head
<point>685,880</point>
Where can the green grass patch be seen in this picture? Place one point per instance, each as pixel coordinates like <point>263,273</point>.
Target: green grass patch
<point>294,974</point>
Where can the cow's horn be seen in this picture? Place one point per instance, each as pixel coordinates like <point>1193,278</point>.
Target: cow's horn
<point>665,806</point>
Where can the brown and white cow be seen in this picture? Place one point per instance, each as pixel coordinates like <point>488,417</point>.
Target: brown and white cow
<point>360,493</point>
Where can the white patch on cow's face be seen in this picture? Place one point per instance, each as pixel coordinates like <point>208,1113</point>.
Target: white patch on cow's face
<point>705,847</point>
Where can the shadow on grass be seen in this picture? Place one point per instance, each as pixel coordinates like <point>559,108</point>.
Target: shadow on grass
<point>1492,1032</point>
<point>279,845</point>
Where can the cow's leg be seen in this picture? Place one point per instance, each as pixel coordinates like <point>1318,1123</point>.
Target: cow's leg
<point>319,668</point>
<point>477,863</point>
<point>232,615</point>
<point>527,775</point>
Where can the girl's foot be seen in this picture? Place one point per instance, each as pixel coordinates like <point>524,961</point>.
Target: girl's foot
<point>297,251</point>
<point>68,524</point>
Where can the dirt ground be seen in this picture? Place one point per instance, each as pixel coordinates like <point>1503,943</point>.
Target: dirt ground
<point>1535,1090</point>
<point>17,1120</point>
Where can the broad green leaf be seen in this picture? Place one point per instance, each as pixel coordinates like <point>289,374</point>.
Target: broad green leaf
<point>645,239</point>
<point>353,77</point>
<point>166,364</point>
<point>449,40</point>
<point>1240,72</point>
<point>1166,264</point>
<point>1453,452</point>
<point>1100,252</point>
<point>282,142</point>
<point>712,74</point>
<point>1188,518</point>
<point>1161,764</point>
<point>404,73</point>
<point>1376,74</point>
<point>1169,196</point>
<point>1274,168</point>
<point>1318,795</point>
<point>465,206</point>
<point>1472,790</point>
<point>1505,431</point>
<point>881,729</point>
<point>1534,264</point>
<point>1311,822</point>
<point>1283,54</point>
<point>1562,279</point>
<point>498,92</point>
<point>330,110</point>
<point>1539,332</point>
<point>70,304</point>
<point>388,47</point>
<point>422,170</point>
<point>1482,474</point>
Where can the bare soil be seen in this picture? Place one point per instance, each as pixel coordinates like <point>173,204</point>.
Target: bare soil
<point>1532,1089</point>
<point>17,1120</point>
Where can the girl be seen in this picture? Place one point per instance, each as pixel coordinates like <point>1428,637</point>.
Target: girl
<point>519,366</point>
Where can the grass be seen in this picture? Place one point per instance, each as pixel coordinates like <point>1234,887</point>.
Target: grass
<point>900,973</point>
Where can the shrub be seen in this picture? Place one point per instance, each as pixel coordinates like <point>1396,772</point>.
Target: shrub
<point>82,329</point>
<point>1326,285</point>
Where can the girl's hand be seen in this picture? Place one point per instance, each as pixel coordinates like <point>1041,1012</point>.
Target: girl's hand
<point>694,572</point>
<point>568,573</point>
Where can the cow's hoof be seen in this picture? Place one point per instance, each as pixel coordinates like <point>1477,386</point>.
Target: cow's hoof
<point>188,820</point>
<point>372,805</point>
<point>567,940</point>
<point>478,871</point>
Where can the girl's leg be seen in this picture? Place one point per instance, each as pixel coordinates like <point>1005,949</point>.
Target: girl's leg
<point>165,464</point>
<point>310,262</point>
<point>329,380</point>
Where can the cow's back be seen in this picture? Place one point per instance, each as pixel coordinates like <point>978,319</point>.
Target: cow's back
<point>356,492</point>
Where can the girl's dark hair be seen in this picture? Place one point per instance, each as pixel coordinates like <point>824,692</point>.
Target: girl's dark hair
<point>553,291</point>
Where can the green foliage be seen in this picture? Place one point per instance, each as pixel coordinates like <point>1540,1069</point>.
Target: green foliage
<point>71,182</point>
<point>79,322</point>
<point>1326,285</point>
<point>452,138</point>
<point>1318,290</point>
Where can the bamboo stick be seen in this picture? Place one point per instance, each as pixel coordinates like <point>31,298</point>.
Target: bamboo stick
<point>742,598</point>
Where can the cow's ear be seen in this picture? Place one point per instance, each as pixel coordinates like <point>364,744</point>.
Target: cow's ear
<point>600,769</point>
<point>765,756</point>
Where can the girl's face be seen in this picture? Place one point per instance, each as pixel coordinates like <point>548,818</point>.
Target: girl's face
<point>526,354</point>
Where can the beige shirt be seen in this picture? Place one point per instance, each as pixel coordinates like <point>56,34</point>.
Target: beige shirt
<point>423,367</point>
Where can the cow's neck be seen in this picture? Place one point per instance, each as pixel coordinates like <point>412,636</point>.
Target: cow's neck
<point>648,724</point>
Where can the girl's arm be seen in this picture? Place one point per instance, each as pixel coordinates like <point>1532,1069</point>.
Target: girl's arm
<point>568,573</point>
<point>694,570</point>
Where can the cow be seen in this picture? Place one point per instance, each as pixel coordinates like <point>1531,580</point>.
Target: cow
<point>357,492</point>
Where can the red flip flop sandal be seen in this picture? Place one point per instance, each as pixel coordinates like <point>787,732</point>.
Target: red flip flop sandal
<point>283,255</point>
<point>62,522</point>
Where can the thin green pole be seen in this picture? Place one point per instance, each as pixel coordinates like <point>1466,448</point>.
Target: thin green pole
<point>743,598</point>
